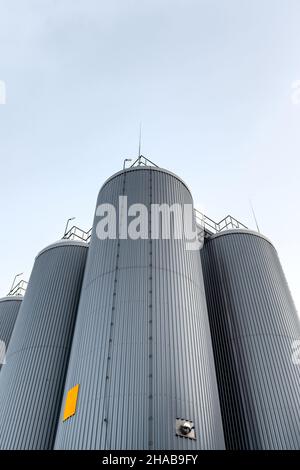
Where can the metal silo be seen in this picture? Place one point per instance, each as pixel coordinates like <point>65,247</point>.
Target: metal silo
<point>141,372</point>
<point>32,380</point>
<point>254,325</point>
<point>9,308</point>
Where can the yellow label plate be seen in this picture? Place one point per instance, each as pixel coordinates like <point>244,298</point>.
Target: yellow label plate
<point>71,402</point>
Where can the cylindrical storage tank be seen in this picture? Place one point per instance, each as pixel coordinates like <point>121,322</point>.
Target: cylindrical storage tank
<point>9,309</point>
<point>142,354</point>
<point>32,380</point>
<point>254,326</point>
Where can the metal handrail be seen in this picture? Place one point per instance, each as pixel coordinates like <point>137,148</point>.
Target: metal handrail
<point>76,233</point>
<point>19,289</point>
<point>209,225</point>
<point>212,227</point>
<point>141,160</point>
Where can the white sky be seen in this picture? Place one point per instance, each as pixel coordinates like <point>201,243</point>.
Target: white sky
<point>211,81</point>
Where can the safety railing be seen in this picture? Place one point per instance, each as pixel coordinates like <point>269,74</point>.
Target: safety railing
<point>211,227</point>
<point>18,289</point>
<point>76,233</point>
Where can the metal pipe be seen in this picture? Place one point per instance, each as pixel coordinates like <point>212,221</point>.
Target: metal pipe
<point>68,221</point>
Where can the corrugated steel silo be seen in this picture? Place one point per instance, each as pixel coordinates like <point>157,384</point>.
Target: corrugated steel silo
<point>254,324</point>
<point>142,353</point>
<point>32,380</point>
<point>9,308</point>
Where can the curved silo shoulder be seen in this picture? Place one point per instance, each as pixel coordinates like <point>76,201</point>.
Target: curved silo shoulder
<point>12,298</point>
<point>139,168</point>
<point>238,231</point>
<point>62,243</point>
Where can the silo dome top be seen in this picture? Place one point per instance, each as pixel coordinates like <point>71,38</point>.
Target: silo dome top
<point>145,167</point>
<point>237,231</point>
<point>11,297</point>
<point>61,243</point>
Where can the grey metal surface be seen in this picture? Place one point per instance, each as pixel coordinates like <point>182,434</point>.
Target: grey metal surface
<point>142,168</point>
<point>32,380</point>
<point>142,351</point>
<point>9,308</point>
<point>253,323</point>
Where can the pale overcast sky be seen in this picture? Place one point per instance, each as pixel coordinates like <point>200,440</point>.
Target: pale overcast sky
<point>211,81</point>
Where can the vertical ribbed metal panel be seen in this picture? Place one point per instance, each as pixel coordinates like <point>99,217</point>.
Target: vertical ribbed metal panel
<point>9,308</point>
<point>142,350</point>
<point>32,380</point>
<point>253,323</point>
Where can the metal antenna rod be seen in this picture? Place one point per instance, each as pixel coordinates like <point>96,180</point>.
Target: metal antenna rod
<point>140,140</point>
<point>254,216</point>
